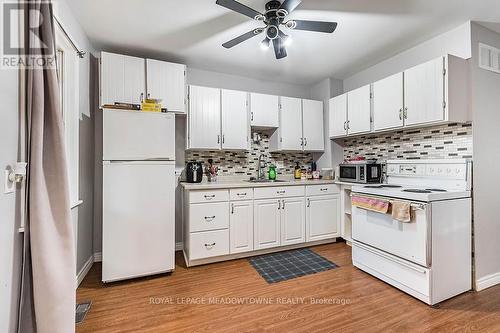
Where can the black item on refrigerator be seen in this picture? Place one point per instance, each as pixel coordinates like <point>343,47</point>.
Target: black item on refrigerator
<point>314,167</point>
<point>194,172</point>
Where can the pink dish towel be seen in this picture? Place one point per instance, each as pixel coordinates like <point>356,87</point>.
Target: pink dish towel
<point>376,205</point>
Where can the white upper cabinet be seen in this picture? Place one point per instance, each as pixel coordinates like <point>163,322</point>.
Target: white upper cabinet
<point>338,116</point>
<point>235,122</point>
<point>204,123</point>
<point>264,110</point>
<point>424,93</point>
<point>123,79</point>
<point>388,103</point>
<point>313,125</point>
<point>167,81</point>
<point>290,130</point>
<point>359,110</point>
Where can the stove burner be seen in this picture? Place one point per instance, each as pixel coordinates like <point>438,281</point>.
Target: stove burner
<point>436,190</point>
<point>417,191</point>
<point>391,186</point>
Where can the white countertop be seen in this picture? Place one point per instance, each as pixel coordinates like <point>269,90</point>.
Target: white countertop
<point>238,183</point>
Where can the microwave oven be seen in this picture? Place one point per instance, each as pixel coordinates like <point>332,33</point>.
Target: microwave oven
<point>365,173</point>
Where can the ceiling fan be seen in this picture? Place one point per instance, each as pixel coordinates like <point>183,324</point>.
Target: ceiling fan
<point>273,18</point>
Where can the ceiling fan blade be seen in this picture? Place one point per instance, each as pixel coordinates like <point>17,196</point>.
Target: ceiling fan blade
<point>316,26</point>
<point>239,8</point>
<point>242,38</point>
<point>290,5</point>
<point>279,48</point>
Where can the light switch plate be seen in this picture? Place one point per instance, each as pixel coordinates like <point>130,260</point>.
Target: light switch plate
<point>9,187</point>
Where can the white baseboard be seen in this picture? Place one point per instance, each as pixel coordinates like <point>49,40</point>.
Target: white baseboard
<point>179,246</point>
<point>488,281</point>
<point>98,257</point>
<point>83,272</point>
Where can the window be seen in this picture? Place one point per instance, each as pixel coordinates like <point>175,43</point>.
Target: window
<point>67,70</point>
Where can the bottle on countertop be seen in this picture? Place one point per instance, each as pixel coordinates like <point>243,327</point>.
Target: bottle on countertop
<point>297,172</point>
<point>272,172</point>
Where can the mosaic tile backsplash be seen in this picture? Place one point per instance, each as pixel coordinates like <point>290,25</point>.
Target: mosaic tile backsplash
<point>233,163</point>
<point>444,141</point>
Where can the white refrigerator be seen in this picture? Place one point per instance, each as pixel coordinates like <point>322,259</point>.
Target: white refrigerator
<point>138,220</point>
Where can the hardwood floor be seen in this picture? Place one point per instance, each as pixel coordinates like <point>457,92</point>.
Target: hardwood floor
<point>359,302</point>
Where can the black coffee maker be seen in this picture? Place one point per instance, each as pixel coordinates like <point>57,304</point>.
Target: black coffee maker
<point>194,172</point>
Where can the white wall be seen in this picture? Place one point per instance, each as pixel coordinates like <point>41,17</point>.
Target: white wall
<point>84,219</point>
<point>10,238</point>
<point>486,135</point>
<point>456,42</point>
<point>220,80</point>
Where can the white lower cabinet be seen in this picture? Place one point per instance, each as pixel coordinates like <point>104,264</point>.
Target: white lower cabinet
<point>241,227</point>
<point>322,217</point>
<point>241,221</point>
<point>293,221</point>
<point>267,224</point>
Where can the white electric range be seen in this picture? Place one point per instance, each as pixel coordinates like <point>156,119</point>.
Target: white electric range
<point>430,258</point>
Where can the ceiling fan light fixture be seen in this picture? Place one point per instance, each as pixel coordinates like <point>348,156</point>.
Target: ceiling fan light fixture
<point>264,45</point>
<point>290,24</point>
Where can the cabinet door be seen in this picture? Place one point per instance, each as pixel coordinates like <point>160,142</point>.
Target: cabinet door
<point>388,103</point>
<point>264,110</point>
<point>241,227</point>
<point>291,124</point>
<point>322,218</point>
<point>167,81</point>
<point>204,118</point>
<point>293,221</point>
<point>338,116</point>
<point>266,224</point>
<point>424,93</point>
<point>235,127</point>
<point>312,115</point>
<point>123,79</point>
<point>359,110</point>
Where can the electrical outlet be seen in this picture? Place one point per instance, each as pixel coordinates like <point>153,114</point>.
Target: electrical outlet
<point>10,187</point>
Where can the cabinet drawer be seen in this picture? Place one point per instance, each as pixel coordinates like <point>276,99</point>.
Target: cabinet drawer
<point>322,189</point>
<point>279,192</point>
<point>239,194</point>
<point>208,196</point>
<point>414,279</point>
<point>211,216</point>
<point>208,244</point>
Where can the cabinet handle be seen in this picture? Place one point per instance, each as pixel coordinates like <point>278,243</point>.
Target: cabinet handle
<point>405,113</point>
<point>348,124</point>
<point>218,139</point>
<point>210,246</point>
<point>308,203</point>
<point>149,95</point>
<point>401,114</point>
<point>302,142</point>
<point>232,208</point>
<point>283,207</point>
<point>142,97</point>
<point>209,197</point>
<point>209,218</point>
<point>251,116</point>
<point>305,141</point>
<point>241,194</point>
<point>223,138</point>
<point>323,189</point>
<point>279,204</point>
<point>280,192</point>
<point>345,125</point>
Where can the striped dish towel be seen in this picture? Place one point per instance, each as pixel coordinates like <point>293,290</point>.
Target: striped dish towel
<point>376,205</point>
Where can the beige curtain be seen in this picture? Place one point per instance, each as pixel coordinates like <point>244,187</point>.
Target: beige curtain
<point>48,287</point>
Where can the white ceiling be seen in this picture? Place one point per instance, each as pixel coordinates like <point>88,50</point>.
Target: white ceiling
<point>192,31</point>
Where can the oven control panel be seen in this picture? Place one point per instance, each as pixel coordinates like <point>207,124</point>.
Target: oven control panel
<point>439,170</point>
